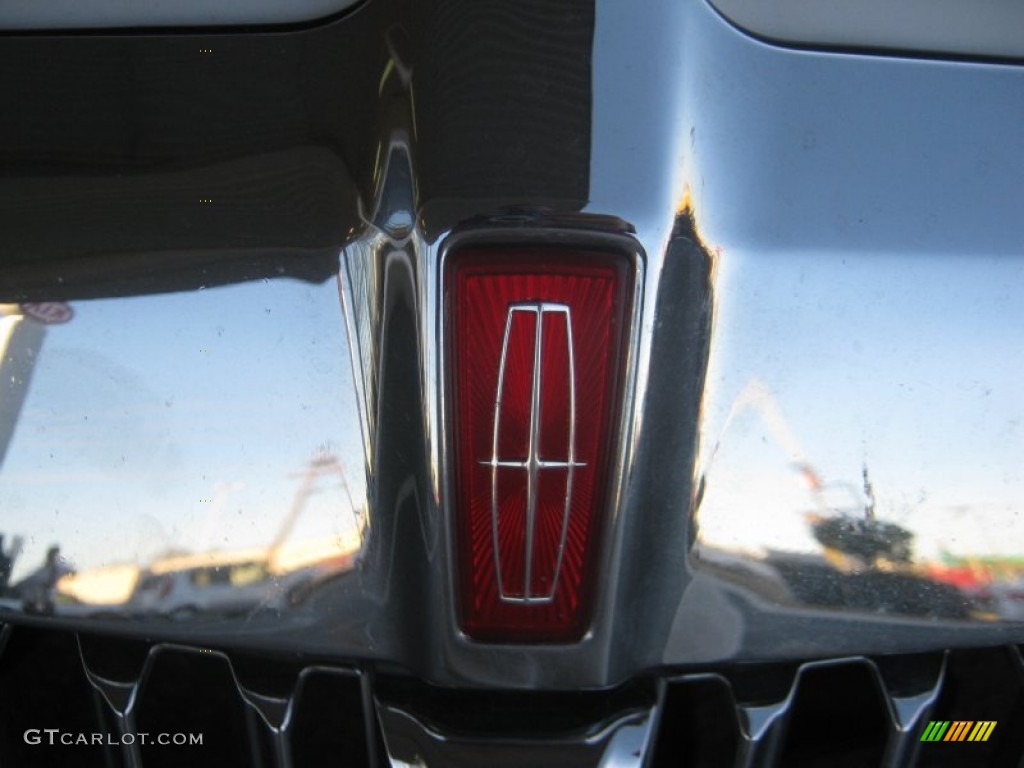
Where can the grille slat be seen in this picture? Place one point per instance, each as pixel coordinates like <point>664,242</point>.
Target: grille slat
<point>835,731</point>
<point>191,691</point>
<point>762,740</point>
<point>706,728</point>
<point>323,728</point>
<point>282,713</point>
<point>860,712</point>
<point>113,668</point>
<point>259,711</point>
<point>912,685</point>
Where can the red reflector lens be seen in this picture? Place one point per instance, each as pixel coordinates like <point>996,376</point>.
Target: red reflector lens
<point>537,337</point>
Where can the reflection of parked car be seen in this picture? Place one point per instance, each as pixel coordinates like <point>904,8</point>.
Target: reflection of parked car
<point>179,587</point>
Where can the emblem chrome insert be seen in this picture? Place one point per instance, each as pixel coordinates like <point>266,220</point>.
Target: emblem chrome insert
<point>534,432</point>
<point>532,464</point>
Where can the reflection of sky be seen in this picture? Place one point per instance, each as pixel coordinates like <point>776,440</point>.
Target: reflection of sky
<point>907,364</point>
<point>129,425</point>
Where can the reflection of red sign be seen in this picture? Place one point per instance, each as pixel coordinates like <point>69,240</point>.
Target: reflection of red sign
<point>48,312</point>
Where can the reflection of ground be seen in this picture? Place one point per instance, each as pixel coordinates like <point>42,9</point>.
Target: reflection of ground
<point>815,581</point>
<point>812,580</point>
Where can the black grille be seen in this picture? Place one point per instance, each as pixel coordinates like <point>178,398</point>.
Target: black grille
<point>855,712</point>
<point>250,710</point>
<point>259,711</point>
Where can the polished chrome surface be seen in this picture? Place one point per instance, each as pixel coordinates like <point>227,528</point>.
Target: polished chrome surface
<point>818,440</point>
<point>857,418</point>
<point>139,478</point>
<point>112,14</point>
<point>987,28</point>
<point>618,742</point>
<point>532,464</point>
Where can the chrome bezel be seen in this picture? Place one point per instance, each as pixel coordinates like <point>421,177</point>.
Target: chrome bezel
<point>532,235</point>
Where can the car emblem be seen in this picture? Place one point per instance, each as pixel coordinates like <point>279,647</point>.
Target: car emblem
<point>536,344</point>
<point>533,463</point>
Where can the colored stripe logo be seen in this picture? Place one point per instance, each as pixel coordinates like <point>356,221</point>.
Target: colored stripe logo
<point>958,730</point>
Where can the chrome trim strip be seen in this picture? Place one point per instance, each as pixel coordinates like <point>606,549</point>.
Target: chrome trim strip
<point>622,741</point>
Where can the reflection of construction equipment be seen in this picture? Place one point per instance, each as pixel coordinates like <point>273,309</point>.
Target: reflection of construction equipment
<point>869,540</point>
<point>757,397</point>
<point>843,530</point>
<point>324,464</point>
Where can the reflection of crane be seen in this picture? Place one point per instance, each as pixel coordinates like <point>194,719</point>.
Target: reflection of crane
<point>833,527</point>
<point>758,397</point>
<point>324,464</point>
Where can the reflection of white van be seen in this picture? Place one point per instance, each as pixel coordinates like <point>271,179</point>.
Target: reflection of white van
<point>1007,599</point>
<point>209,583</point>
